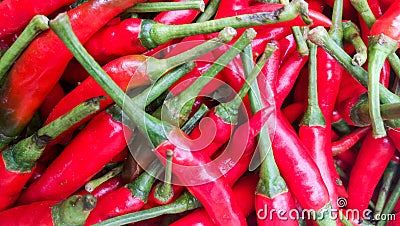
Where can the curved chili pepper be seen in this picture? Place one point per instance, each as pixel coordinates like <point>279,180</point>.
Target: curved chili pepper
<point>18,106</point>
<point>130,72</point>
<point>370,164</point>
<point>106,127</point>
<point>72,211</point>
<point>14,9</point>
<point>243,190</point>
<point>55,95</point>
<point>17,162</point>
<point>348,141</point>
<point>287,75</point>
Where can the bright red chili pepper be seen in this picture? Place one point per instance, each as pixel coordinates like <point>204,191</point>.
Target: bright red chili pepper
<point>368,168</point>
<point>287,76</point>
<point>348,141</point>
<point>102,139</point>
<point>72,211</point>
<point>387,23</point>
<point>128,72</point>
<point>288,46</point>
<point>243,190</point>
<point>45,65</point>
<point>15,15</point>
<point>55,95</point>
<point>385,4</point>
<point>104,188</point>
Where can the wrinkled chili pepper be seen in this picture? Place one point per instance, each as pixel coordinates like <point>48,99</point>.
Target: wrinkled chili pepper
<point>108,127</point>
<point>370,164</point>
<point>72,211</point>
<point>18,106</point>
<point>18,161</point>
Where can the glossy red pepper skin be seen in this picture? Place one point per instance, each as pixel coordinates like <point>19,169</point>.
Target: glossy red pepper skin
<point>368,168</point>
<point>288,46</point>
<point>297,167</point>
<point>387,24</point>
<point>15,15</point>
<point>226,7</point>
<point>243,191</point>
<point>39,214</point>
<point>216,195</point>
<point>55,95</point>
<point>11,184</point>
<point>287,76</point>
<point>385,4</point>
<point>101,139</point>
<point>45,65</point>
<point>348,141</point>
<point>123,202</point>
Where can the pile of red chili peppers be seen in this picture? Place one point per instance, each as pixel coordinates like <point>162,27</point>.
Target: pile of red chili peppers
<point>199,112</point>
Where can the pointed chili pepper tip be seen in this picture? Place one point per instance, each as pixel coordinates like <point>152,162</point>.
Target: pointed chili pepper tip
<point>227,34</point>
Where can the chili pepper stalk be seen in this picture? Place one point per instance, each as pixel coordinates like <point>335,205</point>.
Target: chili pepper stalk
<point>379,49</point>
<point>351,33</point>
<point>149,7</point>
<point>38,24</point>
<point>390,204</point>
<point>18,161</point>
<point>320,37</point>
<point>93,184</point>
<point>155,34</point>
<point>184,203</point>
<point>164,191</point>
<point>210,11</point>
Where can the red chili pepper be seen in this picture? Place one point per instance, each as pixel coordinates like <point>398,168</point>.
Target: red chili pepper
<point>348,141</point>
<point>127,72</point>
<point>385,4</point>
<point>17,162</point>
<point>47,64</point>
<point>370,164</point>
<point>72,211</point>
<point>15,15</point>
<point>104,188</point>
<point>106,127</point>
<point>243,191</point>
<point>55,95</point>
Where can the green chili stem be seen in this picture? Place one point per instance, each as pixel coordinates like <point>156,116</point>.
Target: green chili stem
<point>341,126</point>
<point>74,210</point>
<point>210,11</point>
<point>393,199</point>
<point>229,111</point>
<point>351,33</point>
<point>38,24</point>
<point>336,30</point>
<point>150,7</point>
<point>313,115</point>
<point>164,190</point>
<point>388,177</point>
<point>157,67</point>
<point>23,155</point>
<point>184,203</point>
<point>379,48</point>
<point>388,112</point>
<point>176,110</point>
<point>160,33</point>
<point>363,8</point>
<point>195,119</point>
<point>93,184</point>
